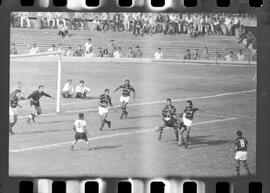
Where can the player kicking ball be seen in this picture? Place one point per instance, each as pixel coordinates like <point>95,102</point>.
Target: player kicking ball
<point>124,99</point>
<point>187,117</point>
<point>168,115</point>
<point>13,112</point>
<point>80,131</point>
<point>241,146</point>
<point>34,98</point>
<point>104,102</point>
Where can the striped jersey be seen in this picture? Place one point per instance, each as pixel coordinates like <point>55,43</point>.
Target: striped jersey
<point>241,144</point>
<point>14,101</point>
<point>168,111</point>
<point>126,89</point>
<point>105,100</point>
<point>189,112</point>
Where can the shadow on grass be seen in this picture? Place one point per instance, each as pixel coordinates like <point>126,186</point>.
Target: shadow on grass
<point>106,147</point>
<point>43,131</point>
<point>201,141</point>
<point>143,116</point>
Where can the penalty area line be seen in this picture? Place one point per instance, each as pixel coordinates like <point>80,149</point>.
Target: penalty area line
<point>154,102</point>
<point>113,135</point>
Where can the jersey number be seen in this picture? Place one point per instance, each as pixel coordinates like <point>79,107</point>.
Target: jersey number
<point>242,143</point>
<point>79,125</point>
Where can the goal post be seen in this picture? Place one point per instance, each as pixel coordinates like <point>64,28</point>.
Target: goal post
<point>59,70</point>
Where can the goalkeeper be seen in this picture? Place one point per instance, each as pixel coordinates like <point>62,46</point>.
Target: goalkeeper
<point>169,118</point>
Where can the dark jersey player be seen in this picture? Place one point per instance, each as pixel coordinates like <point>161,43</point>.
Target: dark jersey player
<point>104,101</point>
<point>187,117</point>
<point>124,99</point>
<point>34,98</point>
<point>13,112</point>
<point>241,146</point>
<point>168,115</point>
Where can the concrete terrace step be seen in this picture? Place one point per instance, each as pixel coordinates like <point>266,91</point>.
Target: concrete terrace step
<point>173,46</point>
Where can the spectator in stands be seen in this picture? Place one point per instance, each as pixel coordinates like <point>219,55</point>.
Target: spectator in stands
<point>126,21</point>
<point>137,26</point>
<point>99,53</point>
<point>68,90</point>
<point>117,53</point>
<point>60,19</point>
<point>117,22</point>
<point>196,55</point>
<point>130,53</point>
<point>81,90</point>
<point>106,53</point>
<point>187,55</point>
<point>111,48</point>
<point>62,30</point>
<point>61,49</point>
<point>159,54</point>
<point>88,45</point>
<point>13,50</point>
<point>79,52</point>
<point>50,19</point>
<point>228,25</point>
<point>235,24</point>
<point>138,53</point>
<point>69,51</point>
<point>229,57</point>
<point>240,56</point>
<point>52,49</point>
<point>96,24</point>
<point>105,21</point>
<point>24,18</point>
<point>90,53</point>
<point>205,53</point>
<point>34,49</point>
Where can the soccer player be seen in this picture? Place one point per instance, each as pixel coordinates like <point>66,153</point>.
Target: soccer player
<point>80,131</point>
<point>188,116</point>
<point>104,102</point>
<point>124,99</point>
<point>13,104</point>
<point>241,146</point>
<point>81,90</point>
<point>35,104</point>
<point>168,115</point>
<point>68,90</point>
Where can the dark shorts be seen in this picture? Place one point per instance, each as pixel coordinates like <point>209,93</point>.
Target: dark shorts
<point>34,103</point>
<point>81,136</point>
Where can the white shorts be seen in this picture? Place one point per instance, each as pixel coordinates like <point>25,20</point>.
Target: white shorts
<point>124,99</point>
<point>102,110</point>
<point>187,122</point>
<point>12,113</point>
<point>241,155</point>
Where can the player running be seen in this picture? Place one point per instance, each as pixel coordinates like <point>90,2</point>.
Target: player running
<point>168,115</point>
<point>13,112</point>
<point>35,104</point>
<point>80,131</point>
<point>241,146</point>
<point>104,102</point>
<point>124,99</point>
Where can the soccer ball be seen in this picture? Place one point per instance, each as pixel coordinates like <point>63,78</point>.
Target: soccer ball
<point>156,128</point>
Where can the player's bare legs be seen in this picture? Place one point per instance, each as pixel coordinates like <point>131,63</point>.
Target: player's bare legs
<point>188,131</point>
<point>73,144</point>
<point>124,110</point>
<point>104,120</point>
<point>237,168</point>
<point>246,166</point>
<point>12,123</point>
<point>33,114</point>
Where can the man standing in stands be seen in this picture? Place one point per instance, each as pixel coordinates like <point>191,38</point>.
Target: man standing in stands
<point>13,50</point>
<point>138,53</point>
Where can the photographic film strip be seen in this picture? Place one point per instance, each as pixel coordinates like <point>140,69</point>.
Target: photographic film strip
<point>134,96</point>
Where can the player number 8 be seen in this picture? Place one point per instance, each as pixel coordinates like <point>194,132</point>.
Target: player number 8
<point>242,143</point>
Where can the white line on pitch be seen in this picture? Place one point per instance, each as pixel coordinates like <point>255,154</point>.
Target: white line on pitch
<point>113,135</point>
<point>155,102</point>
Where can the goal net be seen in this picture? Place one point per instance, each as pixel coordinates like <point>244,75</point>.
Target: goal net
<point>38,69</point>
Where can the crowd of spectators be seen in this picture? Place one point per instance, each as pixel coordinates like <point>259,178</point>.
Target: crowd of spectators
<point>194,24</point>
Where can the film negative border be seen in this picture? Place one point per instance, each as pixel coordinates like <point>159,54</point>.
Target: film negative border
<point>236,185</point>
